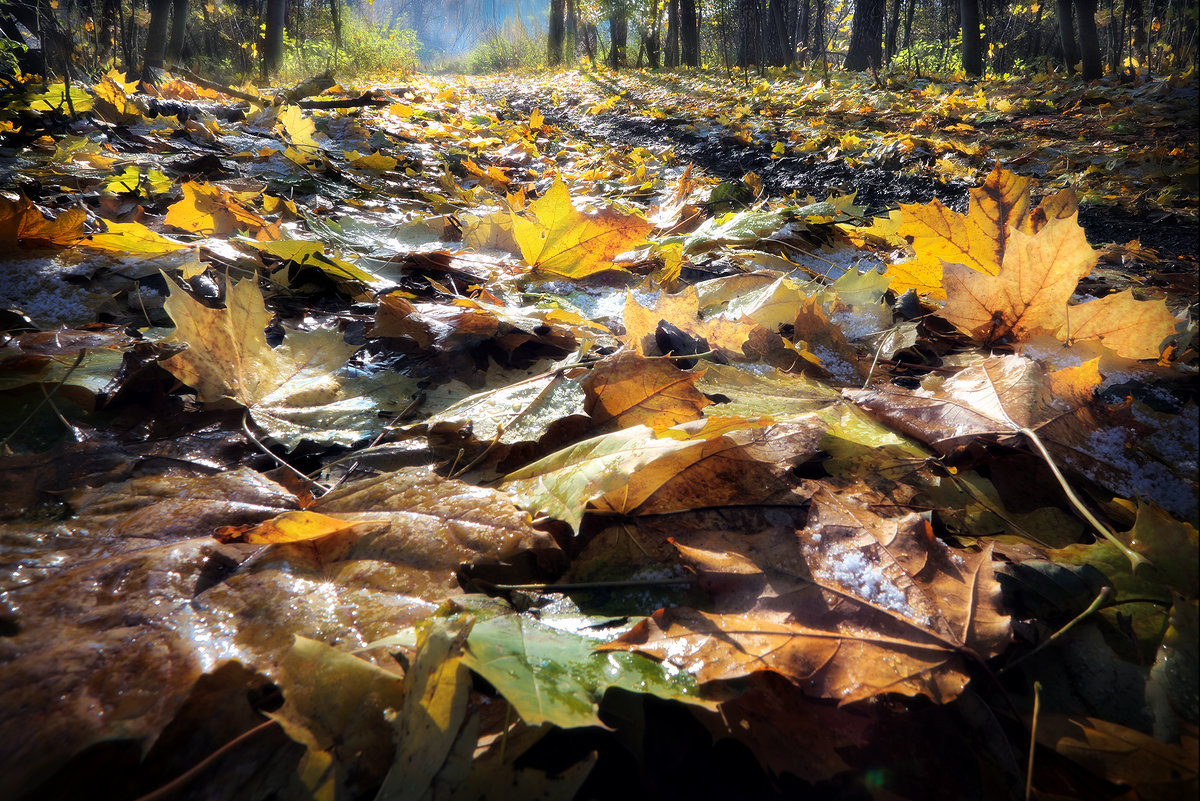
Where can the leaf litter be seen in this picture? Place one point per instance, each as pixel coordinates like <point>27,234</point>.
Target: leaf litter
<point>456,432</point>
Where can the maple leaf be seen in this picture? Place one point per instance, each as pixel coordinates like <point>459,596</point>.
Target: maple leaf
<point>23,227</point>
<point>1036,279</point>
<point>213,211</point>
<point>291,390</point>
<point>555,238</point>
<point>627,390</point>
<point>133,237</point>
<point>853,606</point>
<point>682,310</point>
<point>1135,329</point>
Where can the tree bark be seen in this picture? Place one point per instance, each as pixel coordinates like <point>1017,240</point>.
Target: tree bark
<point>972,50</point>
<point>156,40</point>
<point>274,17</point>
<point>178,27</point>
<point>554,34</point>
<point>749,46</point>
<point>1137,33</point>
<point>618,34</point>
<point>1089,40</point>
<point>671,51</point>
<point>689,33</point>
<point>1066,33</point>
<point>866,36</point>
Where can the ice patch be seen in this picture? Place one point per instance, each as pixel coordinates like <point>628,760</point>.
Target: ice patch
<point>857,575</point>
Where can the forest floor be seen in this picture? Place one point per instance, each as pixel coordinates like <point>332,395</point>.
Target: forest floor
<point>597,435</point>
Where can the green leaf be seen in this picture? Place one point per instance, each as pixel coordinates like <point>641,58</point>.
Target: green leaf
<point>554,676</point>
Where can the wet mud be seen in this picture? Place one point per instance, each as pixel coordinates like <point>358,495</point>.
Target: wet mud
<point>876,187</point>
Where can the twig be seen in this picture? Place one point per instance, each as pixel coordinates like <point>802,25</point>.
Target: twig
<point>45,399</point>
<point>1104,595</point>
<point>598,585</point>
<point>253,439</point>
<point>1134,557</point>
<point>1037,708</point>
<point>175,785</point>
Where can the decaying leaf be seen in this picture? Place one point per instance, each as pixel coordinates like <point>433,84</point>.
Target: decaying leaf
<point>853,606</point>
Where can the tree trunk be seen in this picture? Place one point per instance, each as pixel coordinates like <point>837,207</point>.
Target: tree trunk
<point>653,37</point>
<point>554,34</point>
<point>1066,33</point>
<point>1137,31</point>
<point>671,51</point>
<point>780,47</point>
<point>156,40</point>
<point>689,33</point>
<point>178,27</point>
<point>893,30</point>
<point>749,45</point>
<point>274,17</point>
<point>866,36</point>
<point>618,34</point>
<point>1089,40</point>
<point>972,51</point>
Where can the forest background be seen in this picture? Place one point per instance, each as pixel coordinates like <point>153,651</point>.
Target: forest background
<point>735,398</point>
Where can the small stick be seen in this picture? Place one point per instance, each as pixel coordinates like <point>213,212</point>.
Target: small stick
<point>282,463</point>
<point>1037,707</point>
<point>1104,595</point>
<point>598,585</point>
<point>1135,558</point>
<point>170,788</point>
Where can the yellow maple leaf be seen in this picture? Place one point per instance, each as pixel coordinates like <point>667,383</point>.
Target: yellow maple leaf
<point>978,240</point>
<point>1132,328</point>
<point>300,130</point>
<point>291,390</point>
<point>133,237</point>
<point>210,210</point>
<point>556,238</point>
<point>1030,293</point>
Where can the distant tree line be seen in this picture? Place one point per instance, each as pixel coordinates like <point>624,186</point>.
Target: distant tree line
<point>997,36</point>
<point>243,37</point>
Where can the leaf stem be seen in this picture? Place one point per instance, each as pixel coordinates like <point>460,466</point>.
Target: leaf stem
<point>1099,601</point>
<point>254,440</point>
<point>1135,558</point>
<point>1037,708</point>
<point>45,399</point>
<point>175,785</point>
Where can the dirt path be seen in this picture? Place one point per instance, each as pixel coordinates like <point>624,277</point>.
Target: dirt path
<point>877,188</point>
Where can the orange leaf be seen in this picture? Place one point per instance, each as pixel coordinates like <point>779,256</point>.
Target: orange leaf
<point>1030,293</point>
<point>627,390</point>
<point>1133,328</point>
<point>292,527</point>
<point>23,227</point>
<point>212,211</point>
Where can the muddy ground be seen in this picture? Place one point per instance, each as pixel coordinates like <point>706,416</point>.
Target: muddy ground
<point>877,188</point>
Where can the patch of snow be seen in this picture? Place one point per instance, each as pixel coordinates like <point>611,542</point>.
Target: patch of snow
<point>837,367</point>
<point>39,287</point>
<point>856,574</point>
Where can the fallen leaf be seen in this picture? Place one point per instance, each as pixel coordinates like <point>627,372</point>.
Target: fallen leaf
<point>1029,294</point>
<point>627,390</point>
<point>1135,329</point>
<point>555,238</point>
<point>853,606</point>
<point>24,227</point>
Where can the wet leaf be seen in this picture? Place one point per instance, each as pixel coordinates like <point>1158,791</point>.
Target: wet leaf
<point>24,227</point>
<point>628,390</point>
<point>294,527</point>
<point>555,676</point>
<point>555,238</point>
<point>853,606</point>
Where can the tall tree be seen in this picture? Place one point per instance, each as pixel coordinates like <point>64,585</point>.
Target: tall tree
<point>274,17</point>
<point>178,27</point>
<point>1089,40</point>
<point>866,36</point>
<point>671,48</point>
<point>618,34</point>
<point>1066,33</point>
<point>749,33</point>
<point>554,34</point>
<point>972,49</point>
<point>156,40</point>
<point>689,33</point>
